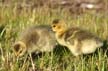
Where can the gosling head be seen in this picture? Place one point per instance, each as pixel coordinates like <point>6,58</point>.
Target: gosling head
<point>58,26</point>
<point>19,48</point>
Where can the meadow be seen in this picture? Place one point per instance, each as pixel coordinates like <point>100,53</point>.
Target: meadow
<point>13,20</point>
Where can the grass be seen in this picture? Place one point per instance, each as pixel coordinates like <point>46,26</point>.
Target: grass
<point>12,22</point>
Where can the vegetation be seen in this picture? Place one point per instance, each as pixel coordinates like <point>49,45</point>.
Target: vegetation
<point>13,21</point>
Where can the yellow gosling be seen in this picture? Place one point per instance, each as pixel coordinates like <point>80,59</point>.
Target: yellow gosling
<point>79,41</point>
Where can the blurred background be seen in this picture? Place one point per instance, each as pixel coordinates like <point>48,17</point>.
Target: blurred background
<point>73,6</point>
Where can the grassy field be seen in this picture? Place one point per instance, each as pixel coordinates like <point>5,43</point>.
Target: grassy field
<point>13,21</point>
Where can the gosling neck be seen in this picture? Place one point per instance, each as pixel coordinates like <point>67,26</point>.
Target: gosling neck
<point>59,34</point>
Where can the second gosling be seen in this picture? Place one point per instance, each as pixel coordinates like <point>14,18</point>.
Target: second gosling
<point>77,40</point>
<point>35,39</point>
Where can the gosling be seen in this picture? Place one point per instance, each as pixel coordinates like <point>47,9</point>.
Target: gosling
<point>35,39</point>
<point>78,41</point>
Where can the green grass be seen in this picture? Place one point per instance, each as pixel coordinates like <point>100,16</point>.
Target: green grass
<point>12,22</point>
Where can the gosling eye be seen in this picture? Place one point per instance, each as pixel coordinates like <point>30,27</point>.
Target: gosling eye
<point>54,26</point>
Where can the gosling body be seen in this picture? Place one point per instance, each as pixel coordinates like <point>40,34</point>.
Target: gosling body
<point>35,39</point>
<point>79,41</point>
